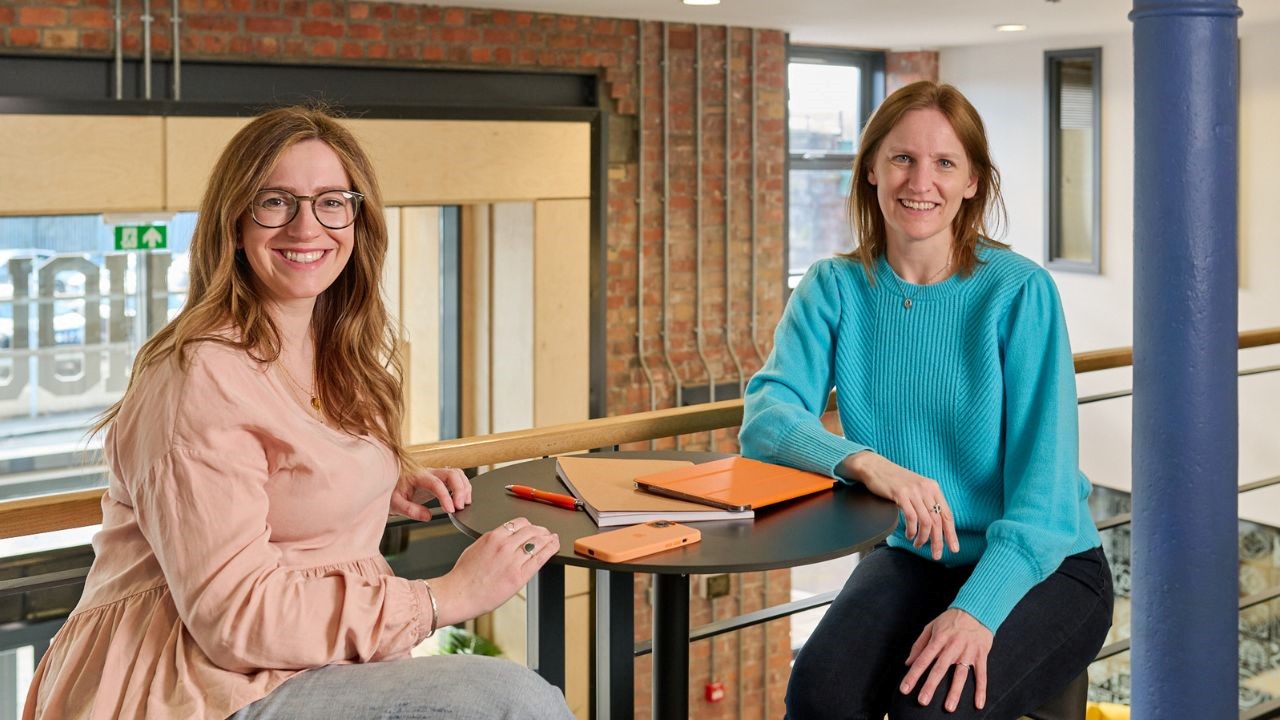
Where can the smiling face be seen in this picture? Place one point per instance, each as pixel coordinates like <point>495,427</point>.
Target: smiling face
<point>922,177</point>
<point>293,264</point>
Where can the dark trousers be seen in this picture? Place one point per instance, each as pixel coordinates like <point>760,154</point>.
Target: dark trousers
<point>852,665</point>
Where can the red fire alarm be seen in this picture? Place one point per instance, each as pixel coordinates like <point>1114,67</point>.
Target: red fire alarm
<point>715,691</point>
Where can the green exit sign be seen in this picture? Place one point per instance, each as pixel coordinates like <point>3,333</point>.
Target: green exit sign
<point>142,237</point>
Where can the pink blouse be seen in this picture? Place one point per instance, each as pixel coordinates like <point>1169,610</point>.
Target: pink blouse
<point>239,546</point>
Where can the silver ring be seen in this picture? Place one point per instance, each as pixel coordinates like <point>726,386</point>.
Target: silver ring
<point>937,509</point>
<point>510,526</point>
<point>528,548</point>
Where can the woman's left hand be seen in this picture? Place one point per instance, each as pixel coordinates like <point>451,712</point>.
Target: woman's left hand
<point>954,638</point>
<point>449,485</point>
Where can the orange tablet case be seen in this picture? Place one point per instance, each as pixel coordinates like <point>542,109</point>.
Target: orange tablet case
<point>735,483</point>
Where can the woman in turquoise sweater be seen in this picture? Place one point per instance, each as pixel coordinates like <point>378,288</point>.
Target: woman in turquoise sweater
<point>950,360</point>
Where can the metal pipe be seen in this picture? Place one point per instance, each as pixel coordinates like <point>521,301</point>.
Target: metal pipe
<point>644,363</point>
<point>146,49</point>
<point>728,207</point>
<point>755,243</point>
<point>666,217</point>
<point>764,578</point>
<point>119,41</point>
<point>697,223</point>
<point>176,19</point>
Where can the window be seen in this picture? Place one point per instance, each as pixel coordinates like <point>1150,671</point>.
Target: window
<point>1073,83</point>
<point>831,93</point>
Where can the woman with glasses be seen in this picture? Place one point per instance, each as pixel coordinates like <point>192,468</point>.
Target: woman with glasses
<point>949,356</point>
<point>253,462</point>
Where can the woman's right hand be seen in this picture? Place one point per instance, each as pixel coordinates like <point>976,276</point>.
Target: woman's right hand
<point>492,569</point>
<point>916,495</point>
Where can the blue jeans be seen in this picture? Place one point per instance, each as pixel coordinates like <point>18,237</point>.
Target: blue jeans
<point>457,687</point>
<point>853,663</point>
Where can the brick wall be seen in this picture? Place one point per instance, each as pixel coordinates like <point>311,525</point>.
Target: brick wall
<point>390,34</point>
<point>904,68</point>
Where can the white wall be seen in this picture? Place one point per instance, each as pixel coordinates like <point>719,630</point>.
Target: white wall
<point>1006,84</point>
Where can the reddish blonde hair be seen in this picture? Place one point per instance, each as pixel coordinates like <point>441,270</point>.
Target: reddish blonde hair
<point>979,216</point>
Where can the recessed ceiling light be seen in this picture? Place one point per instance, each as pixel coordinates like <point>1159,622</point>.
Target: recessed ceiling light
<point>701,2</point>
<point>1010,27</point>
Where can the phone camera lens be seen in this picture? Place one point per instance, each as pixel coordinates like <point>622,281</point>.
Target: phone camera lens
<point>661,523</point>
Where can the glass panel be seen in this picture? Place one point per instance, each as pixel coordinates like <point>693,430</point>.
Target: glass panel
<point>824,104</point>
<point>818,224</point>
<point>73,313</point>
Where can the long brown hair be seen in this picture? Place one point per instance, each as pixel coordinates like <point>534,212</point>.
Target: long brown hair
<point>979,217</point>
<point>357,371</point>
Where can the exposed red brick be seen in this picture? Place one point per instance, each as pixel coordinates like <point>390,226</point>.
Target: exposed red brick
<point>95,40</point>
<point>429,16</point>
<point>455,17</point>
<point>42,16</point>
<point>268,25</point>
<point>6,16</point>
<point>379,50</point>
<point>502,56</point>
<point>24,37</point>
<point>295,8</point>
<point>364,31</point>
<point>239,6</point>
<point>94,19</point>
<point>320,9</point>
<point>352,50</point>
<point>493,36</point>
<point>432,53</point>
<point>502,17</point>
<point>383,11</point>
<point>322,28</point>
<point>358,10</point>
<point>323,48</point>
<point>266,46</point>
<point>267,7</point>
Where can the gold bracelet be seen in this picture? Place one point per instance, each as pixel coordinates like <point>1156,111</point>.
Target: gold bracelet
<point>435,610</point>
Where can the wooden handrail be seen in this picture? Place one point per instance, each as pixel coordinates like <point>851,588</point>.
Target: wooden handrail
<point>82,508</point>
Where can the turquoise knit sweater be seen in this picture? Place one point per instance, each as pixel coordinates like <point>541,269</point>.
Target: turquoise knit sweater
<point>973,386</point>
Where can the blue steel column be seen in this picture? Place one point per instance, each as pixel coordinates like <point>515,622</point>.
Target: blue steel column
<point>1185,560</point>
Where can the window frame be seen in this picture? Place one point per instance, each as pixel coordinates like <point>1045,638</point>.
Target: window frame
<point>871,91</point>
<point>1053,159</point>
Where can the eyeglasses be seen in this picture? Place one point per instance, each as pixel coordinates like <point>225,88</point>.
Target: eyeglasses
<point>334,209</point>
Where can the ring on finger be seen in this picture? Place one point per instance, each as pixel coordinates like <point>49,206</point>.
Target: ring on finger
<point>510,526</point>
<point>937,508</point>
<point>528,548</point>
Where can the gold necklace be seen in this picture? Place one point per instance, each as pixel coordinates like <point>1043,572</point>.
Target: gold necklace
<point>315,401</point>
<point>906,299</point>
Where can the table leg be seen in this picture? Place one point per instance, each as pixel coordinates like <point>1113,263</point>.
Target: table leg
<point>544,622</point>
<point>670,647</point>
<point>614,677</point>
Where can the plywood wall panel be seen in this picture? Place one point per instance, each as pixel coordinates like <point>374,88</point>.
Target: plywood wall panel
<point>562,330</point>
<point>69,164</point>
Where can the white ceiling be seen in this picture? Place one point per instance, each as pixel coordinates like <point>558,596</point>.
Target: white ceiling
<point>887,24</point>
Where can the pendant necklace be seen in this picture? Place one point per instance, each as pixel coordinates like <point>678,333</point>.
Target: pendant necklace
<point>902,289</point>
<point>315,401</point>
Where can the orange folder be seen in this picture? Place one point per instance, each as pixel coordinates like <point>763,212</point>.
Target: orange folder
<point>735,483</point>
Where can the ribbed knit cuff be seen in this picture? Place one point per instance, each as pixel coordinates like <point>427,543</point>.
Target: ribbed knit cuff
<point>999,582</point>
<point>810,447</point>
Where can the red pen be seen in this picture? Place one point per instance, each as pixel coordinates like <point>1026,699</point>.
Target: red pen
<point>524,492</point>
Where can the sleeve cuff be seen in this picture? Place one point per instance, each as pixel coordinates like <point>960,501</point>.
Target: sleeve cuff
<point>812,448</point>
<point>1002,578</point>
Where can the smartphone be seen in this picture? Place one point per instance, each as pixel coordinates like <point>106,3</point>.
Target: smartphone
<point>636,541</point>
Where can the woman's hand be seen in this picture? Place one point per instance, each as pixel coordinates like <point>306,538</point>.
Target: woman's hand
<point>449,485</point>
<point>928,517</point>
<point>954,638</point>
<point>492,569</point>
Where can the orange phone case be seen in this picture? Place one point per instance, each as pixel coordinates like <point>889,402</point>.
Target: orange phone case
<point>636,541</point>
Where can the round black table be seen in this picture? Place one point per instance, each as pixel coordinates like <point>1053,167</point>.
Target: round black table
<point>807,530</point>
